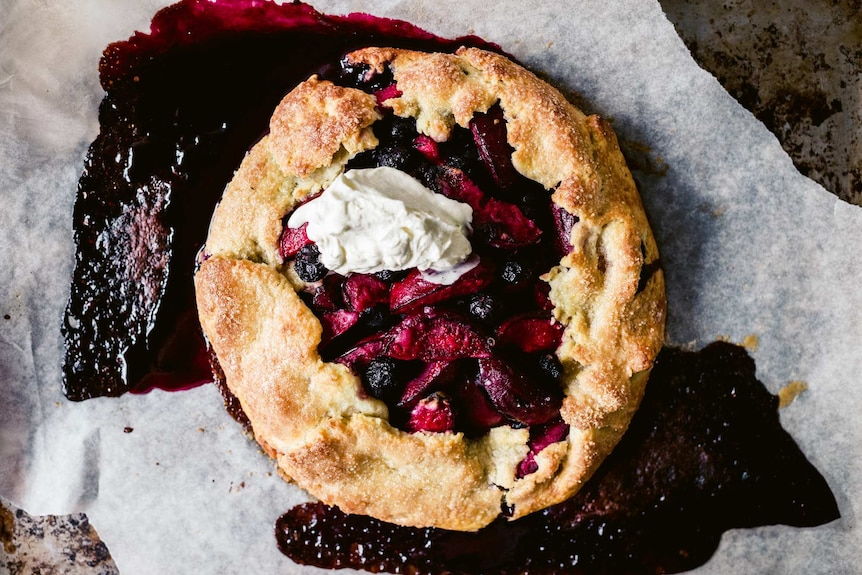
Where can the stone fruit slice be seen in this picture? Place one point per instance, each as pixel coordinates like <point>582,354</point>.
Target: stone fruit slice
<point>530,332</point>
<point>434,413</point>
<point>528,401</point>
<point>292,240</point>
<point>440,338</point>
<point>363,291</point>
<point>436,375</point>
<point>414,292</point>
<point>489,133</point>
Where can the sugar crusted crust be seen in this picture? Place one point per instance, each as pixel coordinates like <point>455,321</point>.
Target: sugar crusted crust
<point>313,417</point>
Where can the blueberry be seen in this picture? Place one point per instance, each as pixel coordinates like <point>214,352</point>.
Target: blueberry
<point>380,80</point>
<point>358,76</point>
<point>366,159</point>
<point>390,276</point>
<point>381,379</point>
<point>484,307</point>
<point>550,365</point>
<point>307,264</point>
<point>353,74</point>
<point>376,319</point>
<point>515,271</point>
<point>403,158</point>
<point>458,162</point>
<point>403,130</point>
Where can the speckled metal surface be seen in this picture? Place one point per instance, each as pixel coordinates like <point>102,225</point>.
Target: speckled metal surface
<point>50,545</point>
<point>797,65</point>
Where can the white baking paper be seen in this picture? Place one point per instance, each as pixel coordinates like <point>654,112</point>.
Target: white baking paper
<point>749,247</point>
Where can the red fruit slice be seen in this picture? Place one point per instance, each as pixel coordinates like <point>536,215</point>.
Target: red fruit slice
<point>454,184</point>
<point>434,413</point>
<point>327,296</point>
<point>436,375</point>
<point>357,358</point>
<point>508,226</point>
<point>292,240</point>
<point>475,410</point>
<point>413,292</point>
<point>427,147</point>
<point>441,338</point>
<point>362,291</point>
<point>563,224</point>
<point>387,93</point>
<point>527,465</point>
<point>541,437</point>
<point>499,223</point>
<point>541,295</point>
<point>489,133</point>
<point>335,323</point>
<point>544,435</point>
<point>529,402</point>
<point>530,332</point>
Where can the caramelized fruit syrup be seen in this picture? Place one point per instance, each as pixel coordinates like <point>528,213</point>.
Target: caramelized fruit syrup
<point>704,454</point>
<point>183,106</point>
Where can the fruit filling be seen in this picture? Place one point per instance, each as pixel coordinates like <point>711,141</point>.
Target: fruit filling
<point>459,356</point>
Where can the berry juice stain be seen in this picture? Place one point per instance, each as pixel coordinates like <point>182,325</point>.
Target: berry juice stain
<point>705,453</point>
<point>183,104</point>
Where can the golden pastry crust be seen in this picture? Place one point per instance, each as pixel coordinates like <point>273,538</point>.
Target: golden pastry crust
<point>313,416</point>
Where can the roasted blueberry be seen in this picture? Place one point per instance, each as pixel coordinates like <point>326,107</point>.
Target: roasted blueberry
<point>403,130</point>
<point>307,264</point>
<point>550,365</point>
<point>376,319</point>
<point>352,73</point>
<point>484,307</point>
<point>390,276</point>
<point>366,159</point>
<point>381,379</point>
<point>403,158</point>
<point>362,77</point>
<point>514,271</point>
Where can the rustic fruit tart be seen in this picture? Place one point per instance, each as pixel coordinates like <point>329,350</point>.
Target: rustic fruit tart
<point>492,378</point>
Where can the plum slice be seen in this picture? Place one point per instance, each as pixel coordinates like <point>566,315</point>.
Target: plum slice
<point>436,338</point>
<point>360,355</point>
<point>530,332</point>
<point>414,292</point>
<point>335,323</point>
<point>541,436</point>
<point>476,413</point>
<point>500,224</point>
<point>428,148</point>
<point>387,93</point>
<point>327,296</point>
<point>436,375</point>
<point>527,401</point>
<point>292,240</point>
<point>489,133</point>
<point>564,222</point>
<point>434,413</point>
<point>363,291</point>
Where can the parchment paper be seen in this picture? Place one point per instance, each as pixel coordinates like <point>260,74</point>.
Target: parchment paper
<point>749,246</point>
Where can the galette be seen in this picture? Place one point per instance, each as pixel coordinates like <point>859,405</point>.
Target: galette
<point>433,289</point>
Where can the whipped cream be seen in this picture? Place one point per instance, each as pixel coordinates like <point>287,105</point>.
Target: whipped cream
<point>370,220</point>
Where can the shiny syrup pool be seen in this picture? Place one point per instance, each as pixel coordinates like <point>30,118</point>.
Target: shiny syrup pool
<point>704,454</point>
<point>183,104</point>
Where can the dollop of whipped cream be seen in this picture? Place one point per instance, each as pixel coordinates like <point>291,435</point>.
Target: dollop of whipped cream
<point>370,220</point>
